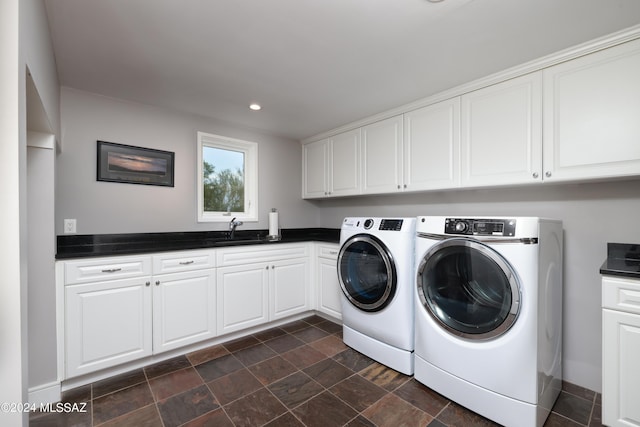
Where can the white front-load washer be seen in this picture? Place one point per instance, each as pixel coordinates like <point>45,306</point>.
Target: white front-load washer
<point>489,314</point>
<point>375,271</point>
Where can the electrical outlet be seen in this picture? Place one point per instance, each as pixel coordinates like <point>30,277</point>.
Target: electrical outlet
<point>69,226</point>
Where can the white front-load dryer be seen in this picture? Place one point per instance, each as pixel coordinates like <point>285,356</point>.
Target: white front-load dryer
<point>375,271</point>
<point>489,314</point>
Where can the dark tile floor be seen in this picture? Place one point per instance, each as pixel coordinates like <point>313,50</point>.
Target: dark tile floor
<point>299,374</point>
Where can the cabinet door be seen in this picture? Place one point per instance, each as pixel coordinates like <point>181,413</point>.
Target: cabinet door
<point>314,169</point>
<point>329,293</point>
<point>591,111</point>
<point>382,156</point>
<point>289,288</point>
<point>242,297</point>
<point>621,370</point>
<point>107,323</point>
<point>344,164</point>
<point>502,133</point>
<point>184,308</point>
<point>431,146</point>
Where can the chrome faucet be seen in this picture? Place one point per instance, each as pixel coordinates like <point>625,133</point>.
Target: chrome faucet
<point>232,227</point>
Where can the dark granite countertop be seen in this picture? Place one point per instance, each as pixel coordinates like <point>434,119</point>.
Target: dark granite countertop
<point>95,245</point>
<point>623,259</point>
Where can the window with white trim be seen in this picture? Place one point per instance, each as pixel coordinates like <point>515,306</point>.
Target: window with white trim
<point>227,179</point>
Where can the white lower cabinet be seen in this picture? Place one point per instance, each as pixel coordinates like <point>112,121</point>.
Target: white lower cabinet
<point>327,285</point>
<point>620,352</point>
<point>289,289</point>
<point>242,297</point>
<point>120,309</point>
<point>107,323</point>
<point>184,309</point>
<point>257,284</point>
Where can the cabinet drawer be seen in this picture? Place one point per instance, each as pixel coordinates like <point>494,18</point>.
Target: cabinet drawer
<point>621,294</point>
<point>261,253</point>
<point>175,262</point>
<point>328,251</point>
<point>98,269</point>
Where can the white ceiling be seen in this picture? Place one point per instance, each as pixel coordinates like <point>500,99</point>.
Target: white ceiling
<point>313,64</point>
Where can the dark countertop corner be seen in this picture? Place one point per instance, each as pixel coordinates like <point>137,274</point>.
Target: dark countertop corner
<point>623,259</point>
<point>95,245</point>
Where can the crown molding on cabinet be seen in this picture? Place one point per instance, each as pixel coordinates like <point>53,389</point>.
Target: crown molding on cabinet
<point>568,54</point>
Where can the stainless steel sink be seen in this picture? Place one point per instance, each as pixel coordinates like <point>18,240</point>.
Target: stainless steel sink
<point>244,240</point>
<point>237,240</point>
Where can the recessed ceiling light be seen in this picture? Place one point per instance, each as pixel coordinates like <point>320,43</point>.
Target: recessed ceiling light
<point>255,107</point>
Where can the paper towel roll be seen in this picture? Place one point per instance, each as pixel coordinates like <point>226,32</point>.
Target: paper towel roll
<point>274,230</point>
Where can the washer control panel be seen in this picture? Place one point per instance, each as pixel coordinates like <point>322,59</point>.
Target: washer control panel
<point>383,224</point>
<point>391,224</point>
<point>480,227</point>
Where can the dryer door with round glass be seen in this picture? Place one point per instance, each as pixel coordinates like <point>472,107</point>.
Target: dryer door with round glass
<point>367,272</point>
<point>468,289</point>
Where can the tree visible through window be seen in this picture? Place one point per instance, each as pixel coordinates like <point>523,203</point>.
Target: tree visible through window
<point>223,180</point>
<point>227,183</point>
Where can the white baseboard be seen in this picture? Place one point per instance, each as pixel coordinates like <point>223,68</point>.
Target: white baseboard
<point>45,393</point>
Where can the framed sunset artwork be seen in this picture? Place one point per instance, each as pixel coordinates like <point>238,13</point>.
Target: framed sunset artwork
<point>134,165</point>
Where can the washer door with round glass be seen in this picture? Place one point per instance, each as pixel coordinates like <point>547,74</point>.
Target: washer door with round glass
<point>366,272</point>
<point>468,289</point>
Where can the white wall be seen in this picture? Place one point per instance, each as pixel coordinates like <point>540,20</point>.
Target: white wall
<point>106,207</point>
<point>41,248</point>
<point>37,50</point>
<point>592,214</point>
<point>12,331</point>
<point>25,46</point>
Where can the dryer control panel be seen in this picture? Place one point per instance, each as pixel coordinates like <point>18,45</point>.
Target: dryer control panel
<point>480,227</point>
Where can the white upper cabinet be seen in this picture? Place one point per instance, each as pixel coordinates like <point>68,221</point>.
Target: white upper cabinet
<point>315,169</point>
<point>344,152</point>
<point>382,156</point>
<point>502,133</point>
<point>574,116</point>
<point>592,115</point>
<point>331,166</point>
<point>431,146</point>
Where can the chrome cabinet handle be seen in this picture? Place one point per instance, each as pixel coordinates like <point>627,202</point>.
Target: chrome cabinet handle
<point>111,270</point>
<point>547,174</point>
<point>535,175</point>
<point>186,262</point>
